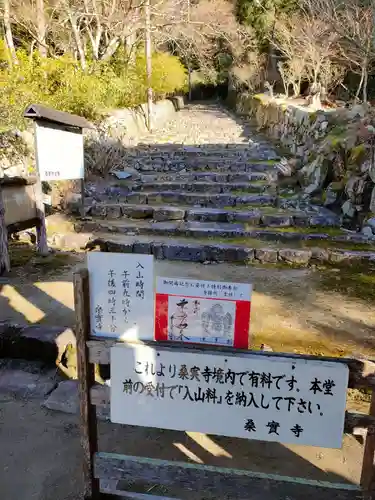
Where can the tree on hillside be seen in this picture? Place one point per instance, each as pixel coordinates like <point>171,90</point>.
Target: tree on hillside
<point>205,34</point>
<point>309,48</point>
<point>354,23</point>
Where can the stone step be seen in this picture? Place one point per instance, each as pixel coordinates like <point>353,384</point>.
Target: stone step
<point>218,230</point>
<point>200,187</point>
<point>217,166</point>
<point>122,195</point>
<point>204,177</point>
<point>26,379</point>
<point>35,342</point>
<point>183,249</point>
<point>255,217</point>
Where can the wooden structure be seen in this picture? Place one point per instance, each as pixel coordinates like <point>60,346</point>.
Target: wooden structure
<point>21,207</point>
<point>216,482</point>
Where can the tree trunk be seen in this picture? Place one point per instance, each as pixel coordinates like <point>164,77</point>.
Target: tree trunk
<point>364,88</point>
<point>111,48</point>
<point>41,27</point>
<point>78,41</point>
<point>148,49</point>
<point>8,33</point>
<point>360,83</point>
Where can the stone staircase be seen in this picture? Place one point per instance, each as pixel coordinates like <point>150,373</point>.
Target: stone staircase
<point>213,203</point>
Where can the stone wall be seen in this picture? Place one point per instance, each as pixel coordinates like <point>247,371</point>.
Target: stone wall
<point>127,123</point>
<point>335,148</point>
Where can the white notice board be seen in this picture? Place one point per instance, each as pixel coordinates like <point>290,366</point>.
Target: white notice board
<point>59,152</point>
<point>121,295</point>
<point>267,398</point>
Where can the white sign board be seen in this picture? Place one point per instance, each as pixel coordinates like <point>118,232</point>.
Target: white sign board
<point>59,152</point>
<point>121,295</point>
<point>243,395</point>
<point>207,312</point>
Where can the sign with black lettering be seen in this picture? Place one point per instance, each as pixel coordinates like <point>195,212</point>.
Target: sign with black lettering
<point>121,295</point>
<point>268,398</point>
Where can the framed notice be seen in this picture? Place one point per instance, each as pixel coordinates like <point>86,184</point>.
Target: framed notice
<point>121,295</point>
<point>206,312</point>
<point>270,398</point>
<point>59,152</point>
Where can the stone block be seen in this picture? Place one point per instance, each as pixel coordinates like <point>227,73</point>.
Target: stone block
<point>113,211</point>
<point>34,342</point>
<point>324,220</point>
<point>320,254</point>
<point>64,398</point>
<point>138,212</point>
<point>157,250</point>
<point>294,256</point>
<point>23,384</point>
<point>248,217</point>
<point>205,215</point>
<point>98,210</point>
<point>168,213</point>
<point>229,253</point>
<point>186,252</point>
<point>266,255</point>
<point>119,247</point>
<point>277,220</point>
<point>140,198</point>
<point>142,247</point>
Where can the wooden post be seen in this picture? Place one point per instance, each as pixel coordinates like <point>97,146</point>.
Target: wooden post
<point>368,466</point>
<point>4,253</point>
<point>83,197</point>
<point>86,379</point>
<point>148,49</point>
<point>41,231</point>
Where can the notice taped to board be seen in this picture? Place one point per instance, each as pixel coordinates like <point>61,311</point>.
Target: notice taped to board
<point>203,312</point>
<point>245,395</point>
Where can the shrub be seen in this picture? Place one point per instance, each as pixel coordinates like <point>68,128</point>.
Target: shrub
<point>61,83</point>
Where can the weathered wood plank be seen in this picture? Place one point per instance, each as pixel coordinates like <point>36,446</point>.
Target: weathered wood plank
<point>41,231</point>
<point>218,482</point>
<point>86,378</point>
<point>368,466</point>
<point>112,489</point>
<point>361,371</point>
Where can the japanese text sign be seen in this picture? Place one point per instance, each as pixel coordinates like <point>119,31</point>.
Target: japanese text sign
<point>59,152</point>
<point>121,295</point>
<point>207,312</point>
<point>269,398</point>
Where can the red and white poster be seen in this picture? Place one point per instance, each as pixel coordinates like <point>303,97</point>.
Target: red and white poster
<point>203,312</point>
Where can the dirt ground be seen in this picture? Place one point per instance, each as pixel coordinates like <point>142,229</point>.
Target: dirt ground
<point>302,310</point>
<point>41,456</point>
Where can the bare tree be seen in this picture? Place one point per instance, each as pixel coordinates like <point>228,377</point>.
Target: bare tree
<point>307,44</point>
<point>8,31</point>
<point>354,23</point>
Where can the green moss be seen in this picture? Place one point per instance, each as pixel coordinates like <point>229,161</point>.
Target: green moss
<point>357,154</point>
<point>356,281</point>
<point>23,254</point>
<point>331,231</point>
<point>313,116</point>
<point>263,162</point>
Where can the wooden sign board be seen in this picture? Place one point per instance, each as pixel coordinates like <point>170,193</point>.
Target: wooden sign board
<point>59,152</point>
<point>121,295</point>
<point>271,398</point>
<point>207,312</point>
